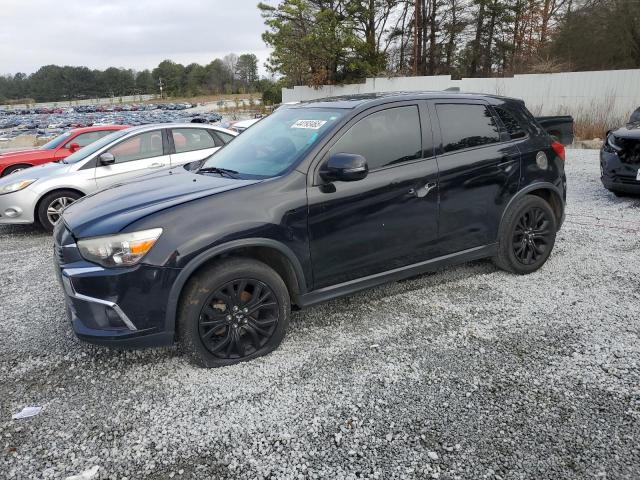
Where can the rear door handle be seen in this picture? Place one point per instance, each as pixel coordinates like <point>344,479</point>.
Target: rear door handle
<point>156,165</point>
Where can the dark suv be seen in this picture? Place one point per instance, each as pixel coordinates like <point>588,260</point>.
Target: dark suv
<point>318,200</point>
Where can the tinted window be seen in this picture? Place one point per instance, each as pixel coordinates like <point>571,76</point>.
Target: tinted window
<point>225,137</point>
<point>384,138</point>
<point>512,125</point>
<point>145,145</point>
<point>465,126</point>
<point>190,139</point>
<point>85,139</point>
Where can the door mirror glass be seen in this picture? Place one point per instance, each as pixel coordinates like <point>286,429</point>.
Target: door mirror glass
<point>345,167</point>
<point>74,147</point>
<point>107,159</point>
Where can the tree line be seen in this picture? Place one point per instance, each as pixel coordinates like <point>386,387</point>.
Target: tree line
<point>231,74</point>
<point>319,42</point>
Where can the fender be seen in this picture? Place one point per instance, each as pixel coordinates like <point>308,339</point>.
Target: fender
<point>537,186</point>
<point>194,264</point>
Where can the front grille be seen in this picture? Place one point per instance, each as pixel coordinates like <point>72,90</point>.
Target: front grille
<point>626,179</point>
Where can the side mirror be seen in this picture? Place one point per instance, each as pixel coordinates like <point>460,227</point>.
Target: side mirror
<point>344,167</point>
<point>107,159</point>
<point>74,147</point>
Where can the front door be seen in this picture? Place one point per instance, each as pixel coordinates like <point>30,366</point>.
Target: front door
<point>134,156</point>
<point>390,218</point>
<point>479,173</point>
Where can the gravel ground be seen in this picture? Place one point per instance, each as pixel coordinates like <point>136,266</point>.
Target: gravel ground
<point>468,373</point>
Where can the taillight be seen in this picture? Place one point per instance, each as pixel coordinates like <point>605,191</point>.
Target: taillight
<point>559,149</point>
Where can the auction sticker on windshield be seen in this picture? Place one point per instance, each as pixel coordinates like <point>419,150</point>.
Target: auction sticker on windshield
<point>310,124</point>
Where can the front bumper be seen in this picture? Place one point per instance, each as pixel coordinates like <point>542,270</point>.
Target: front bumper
<point>18,207</point>
<point>124,307</point>
<point>618,176</point>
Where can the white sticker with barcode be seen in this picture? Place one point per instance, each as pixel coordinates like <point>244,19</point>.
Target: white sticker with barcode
<point>310,124</point>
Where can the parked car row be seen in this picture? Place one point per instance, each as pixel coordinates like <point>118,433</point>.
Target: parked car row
<point>125,107</point>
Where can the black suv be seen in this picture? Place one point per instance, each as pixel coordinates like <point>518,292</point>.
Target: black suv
<point>318,200</point>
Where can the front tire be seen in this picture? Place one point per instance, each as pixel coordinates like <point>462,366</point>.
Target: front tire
<point>51,206</point>
<point>236,310</point>
<point>527,236</point>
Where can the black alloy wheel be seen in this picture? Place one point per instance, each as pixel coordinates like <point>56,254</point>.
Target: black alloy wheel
<point>527,235</point>
<point>532,235</point>
<point>233,310</point>
<point>238,319</point>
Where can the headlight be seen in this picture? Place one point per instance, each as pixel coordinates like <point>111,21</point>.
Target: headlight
<point>611,142</point>
<point>15,186</point>
<point>122,250</point>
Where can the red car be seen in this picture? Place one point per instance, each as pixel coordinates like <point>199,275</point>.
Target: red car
<point>60,147</point>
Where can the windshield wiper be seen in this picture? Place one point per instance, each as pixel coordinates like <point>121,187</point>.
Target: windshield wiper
<point>223,172</point>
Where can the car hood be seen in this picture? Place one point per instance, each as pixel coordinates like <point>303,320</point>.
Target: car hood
<point>631,131</point>
<point>112,209</point>
<point>25,155</point>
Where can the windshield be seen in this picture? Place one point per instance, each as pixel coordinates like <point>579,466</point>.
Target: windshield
<point>94,147</point>
<point>273,145</point>
<point>51,144</point>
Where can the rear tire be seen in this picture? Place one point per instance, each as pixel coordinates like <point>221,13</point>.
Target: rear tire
<point>235,310</point>
<point>51,206</point>
<point>527,235</point>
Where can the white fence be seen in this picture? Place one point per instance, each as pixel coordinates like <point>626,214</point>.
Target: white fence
<point>607,96</point>
<point>86,101</point>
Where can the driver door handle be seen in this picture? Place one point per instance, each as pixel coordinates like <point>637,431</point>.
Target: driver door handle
<point>156,165</point>
<point>424,191</point>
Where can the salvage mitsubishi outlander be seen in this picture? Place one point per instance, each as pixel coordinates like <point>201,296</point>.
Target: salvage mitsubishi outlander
<point>318,200</point>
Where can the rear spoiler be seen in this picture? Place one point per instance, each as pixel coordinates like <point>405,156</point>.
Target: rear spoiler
<point>559,127</point>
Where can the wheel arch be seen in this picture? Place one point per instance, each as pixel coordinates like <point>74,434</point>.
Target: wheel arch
<point>271,252</point>
<point>56,189</point>
<point>26,165</point>
<point>548,192</point>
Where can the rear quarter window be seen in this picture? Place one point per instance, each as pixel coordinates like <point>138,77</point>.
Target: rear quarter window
<point>466,126</point>
<point>512,124</point>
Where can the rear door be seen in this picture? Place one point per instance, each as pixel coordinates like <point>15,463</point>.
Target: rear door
<point>136,155</point>
<point>479,172</point>
<point>191,144</point>
<point>387,220</point>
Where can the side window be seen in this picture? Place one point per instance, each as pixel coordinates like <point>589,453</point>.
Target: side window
<point>384,138</point>
<point>225,137</point>
<point>145,145</point>
<point>512,125</point>
<point>190,139</point>
<point>85,139</point>
<point>466,126</point>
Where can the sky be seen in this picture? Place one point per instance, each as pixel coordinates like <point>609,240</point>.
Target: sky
<point>134,34</point>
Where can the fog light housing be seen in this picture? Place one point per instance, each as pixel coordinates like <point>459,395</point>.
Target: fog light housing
<point>12,212</point>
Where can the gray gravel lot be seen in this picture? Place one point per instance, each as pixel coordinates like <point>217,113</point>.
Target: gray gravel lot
<point>467,373</point>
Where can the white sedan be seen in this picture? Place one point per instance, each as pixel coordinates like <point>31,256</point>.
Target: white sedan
<point>39,194</point>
